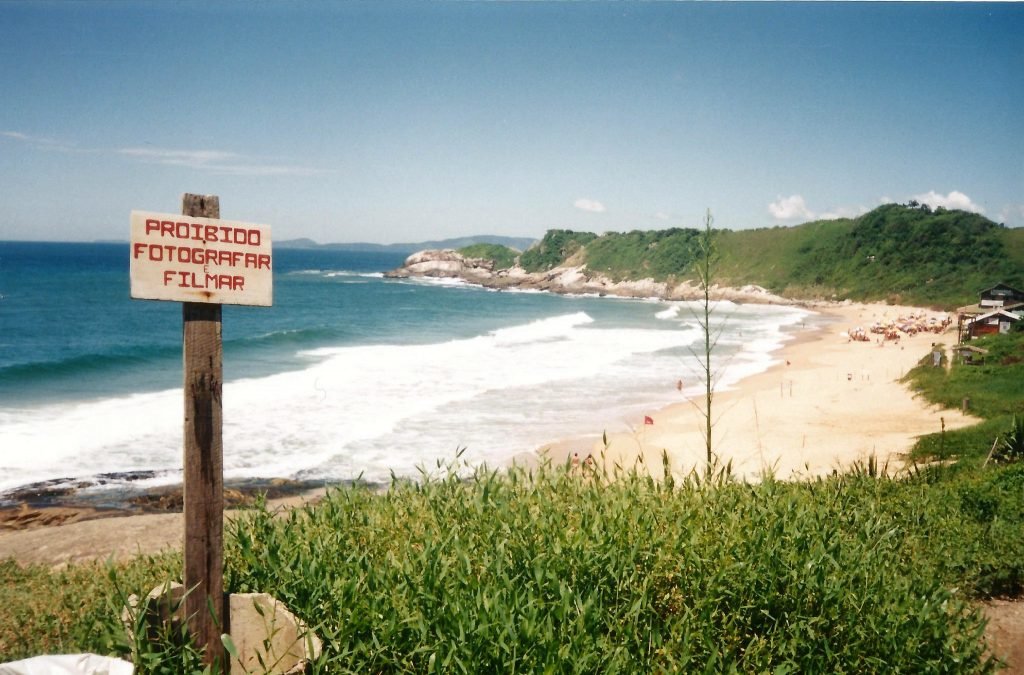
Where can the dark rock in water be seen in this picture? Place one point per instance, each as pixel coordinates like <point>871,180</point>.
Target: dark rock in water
<point>124,476</point>
<point>43,491</point>
<point>61,501</point>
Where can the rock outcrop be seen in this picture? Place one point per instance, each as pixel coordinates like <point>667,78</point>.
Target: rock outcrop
<point>570,280</point>
<point>444,263</point>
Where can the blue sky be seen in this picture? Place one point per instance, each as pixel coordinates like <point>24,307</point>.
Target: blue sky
<point>396,122</point>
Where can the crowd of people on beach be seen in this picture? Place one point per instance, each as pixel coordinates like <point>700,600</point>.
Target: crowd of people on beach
<point>896,328</point>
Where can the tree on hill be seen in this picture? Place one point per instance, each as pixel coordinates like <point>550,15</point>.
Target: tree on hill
<point>503,256</point>
<point>554,249</point>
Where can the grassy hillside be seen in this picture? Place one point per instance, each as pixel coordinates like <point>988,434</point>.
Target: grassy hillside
<point>908,254</point>
<point>995,390</point>
<point>896,253</point>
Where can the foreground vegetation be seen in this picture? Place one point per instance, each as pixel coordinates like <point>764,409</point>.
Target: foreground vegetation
<point>898,253</point>
<point>552,572</point>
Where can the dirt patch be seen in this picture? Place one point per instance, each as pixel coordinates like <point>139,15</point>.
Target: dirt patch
<point>1005,632</point>
<point>25,517</point>
<point>62,502</point>
<point>56,536</point>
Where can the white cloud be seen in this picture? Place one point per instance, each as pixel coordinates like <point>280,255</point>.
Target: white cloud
<point>790,208</point>
<point>37,141</point>
<point>954,200</point>
<point>794,207</point>
<point>1012,215</point>
<point>843,212</point>
<point>214,161</point>
<point>193,158</point>
<point>661,215</point>
<point>589,205</point>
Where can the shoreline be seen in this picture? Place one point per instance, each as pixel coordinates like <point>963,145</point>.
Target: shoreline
<point>827,404</point>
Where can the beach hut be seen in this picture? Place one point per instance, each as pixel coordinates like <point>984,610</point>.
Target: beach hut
<point>998,321</point>
<point>1000,295</point>
<point>970,355</point>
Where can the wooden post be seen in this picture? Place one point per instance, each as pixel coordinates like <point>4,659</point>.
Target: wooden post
<point>204,461</point>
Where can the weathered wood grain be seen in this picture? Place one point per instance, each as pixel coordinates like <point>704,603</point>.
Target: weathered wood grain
<point>204,460</point>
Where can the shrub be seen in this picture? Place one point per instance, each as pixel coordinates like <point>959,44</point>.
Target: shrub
<point>1010,448</point>
<point>550,571</point>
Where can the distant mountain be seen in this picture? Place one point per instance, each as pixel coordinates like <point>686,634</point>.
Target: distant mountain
<point>296,243</point>
<point>518,243</point>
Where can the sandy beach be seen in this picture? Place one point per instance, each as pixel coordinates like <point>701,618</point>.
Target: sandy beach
<point>827,404</point>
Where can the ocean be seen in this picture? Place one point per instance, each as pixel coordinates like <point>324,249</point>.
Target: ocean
<point>348,376</point>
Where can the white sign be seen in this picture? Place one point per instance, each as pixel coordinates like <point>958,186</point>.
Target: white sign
<point>189,259</point>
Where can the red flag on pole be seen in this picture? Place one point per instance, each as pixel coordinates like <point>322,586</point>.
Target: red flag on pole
<point>648,419</point>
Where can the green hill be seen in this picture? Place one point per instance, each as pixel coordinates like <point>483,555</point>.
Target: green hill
<point>897,253</point>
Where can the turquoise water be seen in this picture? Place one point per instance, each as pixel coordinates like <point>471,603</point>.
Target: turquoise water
<point>348,374</point>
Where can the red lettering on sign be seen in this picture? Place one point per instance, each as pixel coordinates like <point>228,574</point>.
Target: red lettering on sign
<point>204,233</point>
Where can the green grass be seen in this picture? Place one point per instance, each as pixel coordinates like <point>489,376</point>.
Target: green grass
<point>76,609</point>
<point>553,573</point>
<point>995,391</point>
<point>548,572</point>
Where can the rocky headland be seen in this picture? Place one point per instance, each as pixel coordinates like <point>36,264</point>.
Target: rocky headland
<point>569,280</point>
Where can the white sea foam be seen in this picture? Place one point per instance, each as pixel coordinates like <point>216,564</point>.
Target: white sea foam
<point>541,330</point>
<point>372,409</point>
<point>670,313</point>
<point>435,281</point>
<point>346,273</point>
<point>336,273</point>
